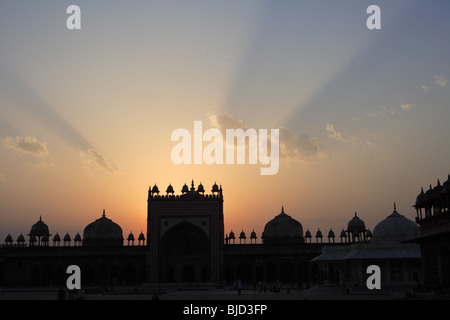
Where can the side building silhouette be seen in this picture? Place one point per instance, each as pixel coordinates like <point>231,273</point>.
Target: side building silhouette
<point>186,243</point>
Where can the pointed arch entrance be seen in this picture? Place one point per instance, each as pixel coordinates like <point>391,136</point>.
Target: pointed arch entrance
<point>184,254</point>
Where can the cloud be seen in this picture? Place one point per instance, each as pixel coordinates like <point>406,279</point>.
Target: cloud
<point>226,121</point>
<point>425,88</point>
<point>26,144</point>
<point>95,156</point>
<point>333,134</point>
<point>297,148</point>
<point>302,148</point>
<point>440,80</point>
<point>407,106</point>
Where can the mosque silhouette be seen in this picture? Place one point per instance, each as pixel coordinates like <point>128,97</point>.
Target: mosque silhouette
<point>186,244</point>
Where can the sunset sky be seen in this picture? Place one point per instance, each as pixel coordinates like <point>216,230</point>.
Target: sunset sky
<point>86,115</point>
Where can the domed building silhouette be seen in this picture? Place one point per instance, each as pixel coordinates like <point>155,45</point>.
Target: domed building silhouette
<point>433,217</point>
<point>399,261</point>
<point>283,229</point>
<point>185,243</point>
<point>103,232</point>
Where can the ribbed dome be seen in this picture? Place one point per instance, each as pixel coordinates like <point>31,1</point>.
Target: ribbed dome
<point>283,228</point>
<point>103,232</point>
<point>395,228</point>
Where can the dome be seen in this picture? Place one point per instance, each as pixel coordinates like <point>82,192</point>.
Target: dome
<point>39,229</point>
<point>283,228</point>
<point>331,233</point>
<point>185,189</point>
<point>130,237</point>
<point>77,237</point>
<point>155,189</point>
<point>57,237</point>
<point>356,224</point>
<point>21,239</point>
<point>141,237</point>
<point>215,188</point>
<point>9,238</point>
<point>200,188</point>
<point>103,232</point>
<point>67,238</point>
<point>395,228</point>
<point>170,189</point>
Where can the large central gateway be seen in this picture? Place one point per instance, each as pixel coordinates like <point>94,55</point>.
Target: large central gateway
<point>185,235</point>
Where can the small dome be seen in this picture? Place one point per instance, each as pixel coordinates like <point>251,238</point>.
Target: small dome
<point>155,189</point>
<point>21,238</point>
<point>67,238</point>
<point>420,196</point>
<point>395,228</point>
<point>200,188</point>
<point>141,237</point>
<point>283,228</point>
<point>130,237</point>
<point>308,234</point>
<point>356,224</point>
<point>242,235</point>
<point>232,235</point>
<point>185,189</point>
<point>437,190</point>
<point>170,189</point>
<point>253,235</point>
<point>318,233</point>
<point>343,234</point>
<point>56,238</point>
<point>39,229</point>
<point>77,237</point>
<point>331,234</point>
<point>103,232</point>
<point>215,188</point>
<point>8,238</point>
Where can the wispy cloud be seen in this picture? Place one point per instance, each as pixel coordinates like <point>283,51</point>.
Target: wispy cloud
<point>333,134</point>
<point>92,156</point>
<point>26,144</point>
<point>407,106</point>
<point>440,80</point>
<point>301,148</point>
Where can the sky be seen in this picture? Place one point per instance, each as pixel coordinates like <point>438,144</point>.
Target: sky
<point>86,116</point>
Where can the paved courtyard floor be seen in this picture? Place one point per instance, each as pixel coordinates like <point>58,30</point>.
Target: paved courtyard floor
<point>313,293</point>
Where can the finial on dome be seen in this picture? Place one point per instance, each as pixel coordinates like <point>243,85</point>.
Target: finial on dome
<point>395,207</point>
<point>192,185</point>
<point>282,209</point>
<point>103,213</point>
